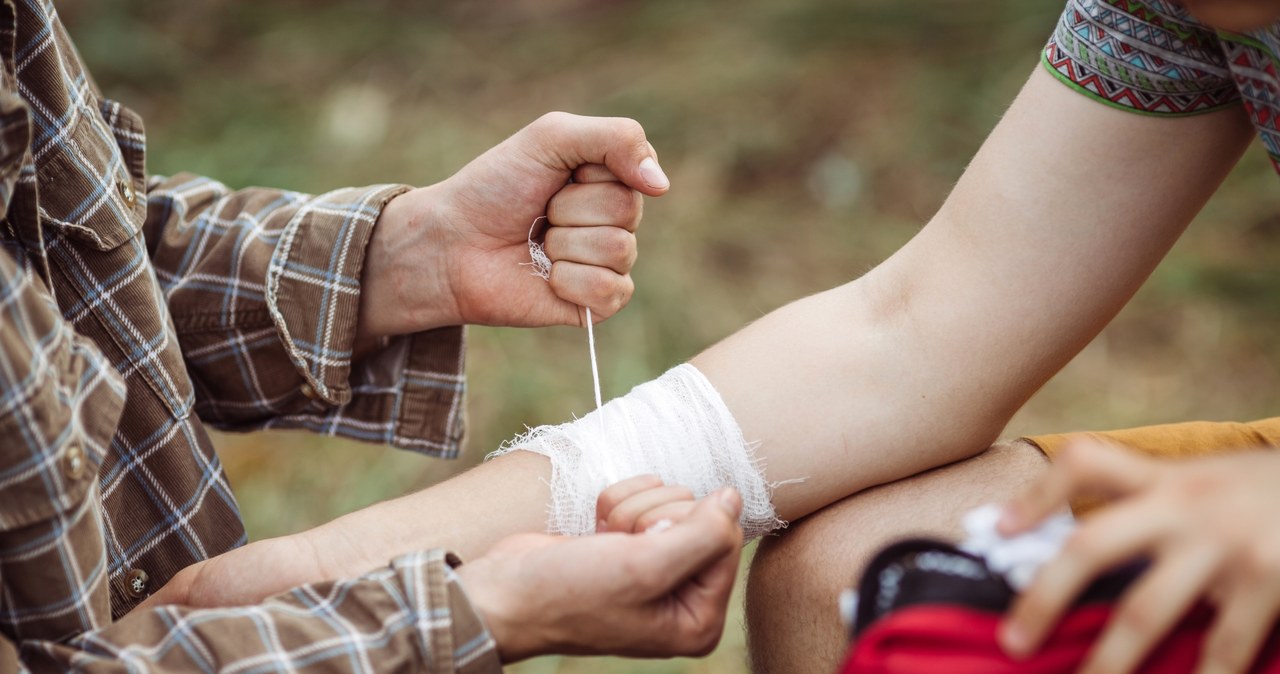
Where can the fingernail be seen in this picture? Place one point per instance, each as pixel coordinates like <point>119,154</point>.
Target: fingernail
<point>1013,641</point>
<point>653,175</point>
<point>601,526</point>
<point>728,499</point>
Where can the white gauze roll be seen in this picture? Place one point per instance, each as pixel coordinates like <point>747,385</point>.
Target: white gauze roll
<point>675,426</point>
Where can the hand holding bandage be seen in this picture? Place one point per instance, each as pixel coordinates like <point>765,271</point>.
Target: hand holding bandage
<point>648,595</point>
<point>675,427</point>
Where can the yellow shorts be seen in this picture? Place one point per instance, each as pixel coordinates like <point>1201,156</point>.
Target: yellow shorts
<point>1173,441</point>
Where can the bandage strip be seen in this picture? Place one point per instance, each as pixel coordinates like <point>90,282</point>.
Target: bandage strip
<point>541,264</point>
<point>676,426</point>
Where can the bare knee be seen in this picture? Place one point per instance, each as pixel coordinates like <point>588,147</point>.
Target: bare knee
<point>796,577</point>
<point>793,588</point>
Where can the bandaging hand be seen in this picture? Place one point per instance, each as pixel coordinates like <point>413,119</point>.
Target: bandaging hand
<point>640,595</point>
<point>636,505</point>
<point>451,253</point>
<point>1208,527</point>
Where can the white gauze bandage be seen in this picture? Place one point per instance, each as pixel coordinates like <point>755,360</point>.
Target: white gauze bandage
<point>675,426</point>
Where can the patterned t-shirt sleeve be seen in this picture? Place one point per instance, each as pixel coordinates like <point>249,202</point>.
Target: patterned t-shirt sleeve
<point>1147,56</point>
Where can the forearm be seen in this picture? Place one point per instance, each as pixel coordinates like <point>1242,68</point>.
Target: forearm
<point>467,514</point>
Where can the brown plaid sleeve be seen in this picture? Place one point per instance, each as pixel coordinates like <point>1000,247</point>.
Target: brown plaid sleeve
<point>59,403</point>
<point>412,616</point>
<point>264,289</point>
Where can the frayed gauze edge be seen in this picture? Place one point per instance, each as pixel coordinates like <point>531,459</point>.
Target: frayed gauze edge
<point>675,426</point>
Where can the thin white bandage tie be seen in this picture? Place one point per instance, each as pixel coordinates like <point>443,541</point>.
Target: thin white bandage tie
<point>541,264</point>
<point>542,269</point>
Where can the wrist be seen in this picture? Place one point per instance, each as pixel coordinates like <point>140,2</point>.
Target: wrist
<point>338,551</point>
<point>405,283</point>
<point>500,609</point>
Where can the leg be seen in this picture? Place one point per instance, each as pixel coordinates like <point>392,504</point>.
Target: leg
<point>793,624</point>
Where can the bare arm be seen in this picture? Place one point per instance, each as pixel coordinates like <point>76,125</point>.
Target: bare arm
<point>1063,213</point>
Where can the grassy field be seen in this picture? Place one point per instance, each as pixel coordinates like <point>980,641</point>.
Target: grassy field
<point>805,140</point>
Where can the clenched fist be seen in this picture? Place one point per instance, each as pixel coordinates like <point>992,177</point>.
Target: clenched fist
<point>450,253</point>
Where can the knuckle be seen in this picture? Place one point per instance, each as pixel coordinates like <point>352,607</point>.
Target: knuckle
<point>682,494</point>
<point>1139,619</point>
<point>707,638</point>
<point>621,519</point>
<point>1259,562</point>
<point>617,244</point>
<point>631,130</point>
<point>557,279</point>
<point>1083,544</point>
<point>605,503</point>
<point>645,577</point>
<point>1072,457</point>
<point>1197,485</point>
<point>621,251</point>
<point>555,214</point>
<point>677,512</point>
<point>603,289</point>
<point>619,201</point>
<point>617,302</point>
<point>609,297</point>
<point>556,119</point>
<point>1227,650</point>
<point>698,640</point>
<point>552,242</point>
<point>624,293</point>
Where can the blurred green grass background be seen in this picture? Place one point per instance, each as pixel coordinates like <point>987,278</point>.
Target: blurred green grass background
<point>805,140</point>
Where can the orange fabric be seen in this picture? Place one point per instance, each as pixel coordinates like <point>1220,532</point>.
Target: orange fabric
<point>1188,439</point>
<point>1175,441</point>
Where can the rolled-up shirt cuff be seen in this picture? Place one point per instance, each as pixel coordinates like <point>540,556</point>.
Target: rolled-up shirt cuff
<point>313,284</point>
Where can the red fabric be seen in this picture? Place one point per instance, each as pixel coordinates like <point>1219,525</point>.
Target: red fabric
<point>957,640</point>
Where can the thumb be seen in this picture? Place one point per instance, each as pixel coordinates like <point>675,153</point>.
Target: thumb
<point>570,141</point>
<point>697,542</point>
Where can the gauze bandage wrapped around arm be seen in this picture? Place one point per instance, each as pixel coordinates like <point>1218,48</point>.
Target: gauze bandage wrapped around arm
<point>675,426</point>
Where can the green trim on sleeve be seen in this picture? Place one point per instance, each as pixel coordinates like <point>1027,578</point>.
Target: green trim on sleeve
<point>1044,61</point>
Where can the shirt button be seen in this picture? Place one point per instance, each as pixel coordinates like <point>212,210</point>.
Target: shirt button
<point>308,390</point>
<point>126,190</point>
<point>73,462</point>
<point>136,583</point>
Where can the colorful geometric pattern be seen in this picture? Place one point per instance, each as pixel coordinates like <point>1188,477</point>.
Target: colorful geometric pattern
<point>1149,57</point>
<point>1153,57</point>
<point>1253,66</point>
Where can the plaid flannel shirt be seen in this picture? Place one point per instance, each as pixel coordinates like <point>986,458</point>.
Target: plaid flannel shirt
<point>132,312</point>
